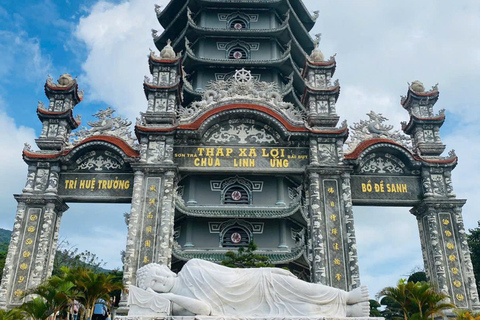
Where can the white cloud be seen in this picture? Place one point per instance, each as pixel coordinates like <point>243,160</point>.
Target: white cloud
<point>118,38</point>
<point>13,170</point>
<point>22,58</point>
<point>381,46</point>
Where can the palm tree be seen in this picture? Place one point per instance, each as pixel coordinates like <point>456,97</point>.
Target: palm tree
<point>13,314</point>
<point>467,315</point>
<point>415,300</point>
<point>396,299</point>
<point>37,308</point>
<point>52,296</point>
<point>92,286</point>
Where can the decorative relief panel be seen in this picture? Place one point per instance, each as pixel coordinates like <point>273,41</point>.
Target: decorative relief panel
<point>334,235</point>
<point>381,164</point>
<point>218,227</point>
<point>149,221</point>
<point>105,125</point>
<point>229,75</point>
<point>228,16</point>
<point>242,86</point>
<point>220,185</point>
<point>374,128</point>
<point>455,278</point>
<point>252,46</point>
<point>241,134</point>
<point>99,161</point>
<point>27,249</point>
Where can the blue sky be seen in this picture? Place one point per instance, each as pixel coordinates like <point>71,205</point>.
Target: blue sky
<point>380,46</point>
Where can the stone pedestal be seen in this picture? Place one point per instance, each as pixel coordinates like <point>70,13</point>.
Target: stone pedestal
<point>237,318</point>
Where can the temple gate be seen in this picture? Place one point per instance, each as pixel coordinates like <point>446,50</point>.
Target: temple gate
<point>240,143</point>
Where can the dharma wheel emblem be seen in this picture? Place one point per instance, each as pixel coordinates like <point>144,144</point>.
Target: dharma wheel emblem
<point>237,55</point>
<point>236,195</point>
<point>243,75</point>
<point>236,237</point>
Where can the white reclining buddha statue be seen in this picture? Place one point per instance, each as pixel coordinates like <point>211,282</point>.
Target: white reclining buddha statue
<point>208,289</point>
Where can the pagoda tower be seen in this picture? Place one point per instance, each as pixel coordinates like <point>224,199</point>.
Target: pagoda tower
<point>240,106</point>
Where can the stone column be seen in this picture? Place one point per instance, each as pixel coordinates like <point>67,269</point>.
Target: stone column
<point>191,192</point>
<point>317,231</point>
<point>280,192</point>
<point>167,215</point>
<point>150,228</point>
<point>445,250</point>
<point>189,233</point>
<point>353,272</point>
<point>129,266</point>
<point>282,234</point>
<point>32,246</point>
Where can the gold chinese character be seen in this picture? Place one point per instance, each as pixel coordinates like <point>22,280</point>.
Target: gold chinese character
<point>333,217</point>
<point>454,270</point>
<point>450,246</point>
<point>26,254</point>
<point>330,190</point>
<point>338,276</point>
<point>31,229</point>
<point>336,261</point>
<point>452,258</point>
<point>21,279</point>
<point>448,233</point>
<point>150,215</point>
<point>153,188</point>
<point>446,222</point>
<point>151,201</point>
<point>457,283</point>
<point>147,243</point>
<point>18,293</point>
<point>148,229</point>
<point>332,204</point>
<point>145,260</point>
<point>23,266</point>
<point>28,241</point>
<point>335,246</point>
<point>33,217</point>
<point>334,231</point>
<point>459,297</point>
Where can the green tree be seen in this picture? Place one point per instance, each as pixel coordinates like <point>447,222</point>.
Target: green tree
<point>473,240</point>
<point>13,314</point>
<point>69,256</point>
<point>246,258</point>
<point>37,308</point>
<point>413,300</point>
<point>374,305</point>
<point>92,286</point>
<point>51,297</point>
<point>467,315</point>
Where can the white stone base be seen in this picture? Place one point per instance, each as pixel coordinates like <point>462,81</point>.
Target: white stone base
<point>159,317</point>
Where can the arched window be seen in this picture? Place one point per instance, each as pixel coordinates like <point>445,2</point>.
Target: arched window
<point>235,236</point>
<point>236,194</point>
<point>238,24</point>
<point>237,53</point>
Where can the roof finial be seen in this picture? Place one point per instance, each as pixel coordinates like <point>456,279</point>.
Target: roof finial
<point>167,52</point>
<point>317,55</point>
<point>417,86</point>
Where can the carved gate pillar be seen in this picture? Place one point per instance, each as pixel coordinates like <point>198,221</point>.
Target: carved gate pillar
<point>32,247</point>
<point>445,250</point>
<point>150,226</point>
<point>332,232</point>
